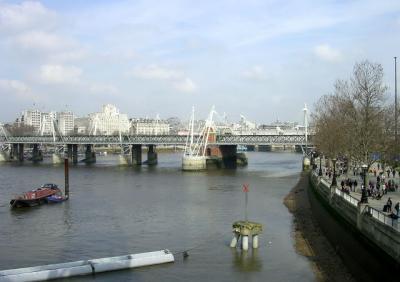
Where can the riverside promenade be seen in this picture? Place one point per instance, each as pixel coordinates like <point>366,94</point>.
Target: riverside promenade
<point>367,221</point>
<point>373,203</point>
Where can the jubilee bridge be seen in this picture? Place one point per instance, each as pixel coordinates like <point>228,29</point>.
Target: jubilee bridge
<point>16,147</point>
<point>157,140</point>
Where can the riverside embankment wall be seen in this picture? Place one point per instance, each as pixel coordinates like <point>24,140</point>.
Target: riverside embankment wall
<point>370,225</point>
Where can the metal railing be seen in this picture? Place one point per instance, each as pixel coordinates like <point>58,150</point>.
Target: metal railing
<point>379,215</point>
<point>347,197</point>
<point>384,218</point>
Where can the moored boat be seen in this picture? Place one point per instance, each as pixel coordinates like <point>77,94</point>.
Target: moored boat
<point>56,198</point>
<point>35,197</point>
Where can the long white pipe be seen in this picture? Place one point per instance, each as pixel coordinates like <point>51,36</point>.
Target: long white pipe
<point>84,267</point>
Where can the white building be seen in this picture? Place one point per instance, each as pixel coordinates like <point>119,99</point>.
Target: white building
<point>108,122</point>
<point>149,127</point>
<point>43,122</point>
<point>31,118</point>
<point>65,122</point>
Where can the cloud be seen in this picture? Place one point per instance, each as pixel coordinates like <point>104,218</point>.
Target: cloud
<point>59,74</point>
<point>185,85</point>
<point>14,87</point>
<point>156,72</point>
<point>40,40</point>
<point>327,53</point>
<point>103,88</point>
<point>26,15</point>
<point>176,78</point>
<point>255,73</point>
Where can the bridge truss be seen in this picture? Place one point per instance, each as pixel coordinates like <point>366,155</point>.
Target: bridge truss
<point>157,140</point>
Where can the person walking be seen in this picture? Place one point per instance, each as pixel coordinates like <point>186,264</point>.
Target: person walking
<point>397,207</point>
<point>389,205</point>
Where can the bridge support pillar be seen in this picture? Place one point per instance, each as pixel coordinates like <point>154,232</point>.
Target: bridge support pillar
<point>14,152</point>
<point>152,155</point>
<point>75,153</point>
<point>229,155</point>
<point>36,153</point>
<point>21,152</point>
<point>90,155</point>
<point>5,155</point>
<point>136,154</point>
<point>69,152</point>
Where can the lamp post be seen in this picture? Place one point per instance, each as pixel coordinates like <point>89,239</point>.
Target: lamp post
<point>364,196</point>
<point>334,183</point>
<point>320,165</point>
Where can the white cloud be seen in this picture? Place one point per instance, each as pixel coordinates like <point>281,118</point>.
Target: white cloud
<point>185,85</point>
<point>176,78</point>
<point>41,40</point>
<point>103,88</point>
<point>25,15</point>
<point>327,53</point>
<point>14,87</point>
<point>59,74</point>
<point>255,73</point>
<point>156,72</point>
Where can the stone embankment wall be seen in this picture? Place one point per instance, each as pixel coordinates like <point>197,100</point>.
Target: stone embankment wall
<point>369,223</point>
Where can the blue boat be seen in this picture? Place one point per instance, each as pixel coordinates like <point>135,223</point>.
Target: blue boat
<point>56,199</point>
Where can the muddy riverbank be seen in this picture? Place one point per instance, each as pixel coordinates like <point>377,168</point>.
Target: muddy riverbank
<point>309,240</point>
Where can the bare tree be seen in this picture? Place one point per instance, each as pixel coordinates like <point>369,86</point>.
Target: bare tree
<point>352,122</point>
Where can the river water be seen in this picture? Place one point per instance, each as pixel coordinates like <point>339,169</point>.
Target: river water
<point>116,210</point>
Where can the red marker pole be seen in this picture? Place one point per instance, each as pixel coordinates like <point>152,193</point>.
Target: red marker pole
<point>245,190</point>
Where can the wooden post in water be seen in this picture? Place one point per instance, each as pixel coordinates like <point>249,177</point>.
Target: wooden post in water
<point>66,174</point>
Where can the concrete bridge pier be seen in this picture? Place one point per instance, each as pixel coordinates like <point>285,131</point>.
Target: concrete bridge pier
<point>4,156</point>
<point>37,155</point>
<point>14,152</point>
<point>21,152</point>
<point>90,154</point>
<point>152,155</point>
<point>125,157</point>
<point>69,152</point>
<point>229,155</point>
<point>75,153</point>
<point>136,154</point>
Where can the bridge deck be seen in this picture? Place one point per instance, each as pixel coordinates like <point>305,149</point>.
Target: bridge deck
<point>157,140</point>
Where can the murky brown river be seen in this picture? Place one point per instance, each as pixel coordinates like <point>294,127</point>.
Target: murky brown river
<point>116,210</point>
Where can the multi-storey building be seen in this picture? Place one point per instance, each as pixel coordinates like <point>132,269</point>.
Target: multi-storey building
<point>108,122</point>
<point>65,122</point>
<point>43,123</point>
<point>31,118</point>
<point>149,127</point>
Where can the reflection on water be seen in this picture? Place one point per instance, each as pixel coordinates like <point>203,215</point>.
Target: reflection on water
<point>115,210</point>
<point>246,261</point>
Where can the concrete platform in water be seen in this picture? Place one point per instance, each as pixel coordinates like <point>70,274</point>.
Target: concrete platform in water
<point>246,229</point>
<point>193,163</point>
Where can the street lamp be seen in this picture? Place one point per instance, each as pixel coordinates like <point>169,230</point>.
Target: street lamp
<point>364,196</point>
<point>320,165</point>
<point>334,183</point>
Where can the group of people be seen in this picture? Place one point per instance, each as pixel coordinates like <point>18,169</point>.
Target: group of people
<point>348,185</point>
<point>388,208</point>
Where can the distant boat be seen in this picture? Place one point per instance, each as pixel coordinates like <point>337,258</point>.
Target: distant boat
<point>35,197</point>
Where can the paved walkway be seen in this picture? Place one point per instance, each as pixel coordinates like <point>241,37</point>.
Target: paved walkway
<point>377,204</point>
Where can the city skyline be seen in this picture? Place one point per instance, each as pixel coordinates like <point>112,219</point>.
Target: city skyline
<point>262,59</point>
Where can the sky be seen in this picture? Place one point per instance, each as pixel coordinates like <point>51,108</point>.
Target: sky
<point>261,59</point>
